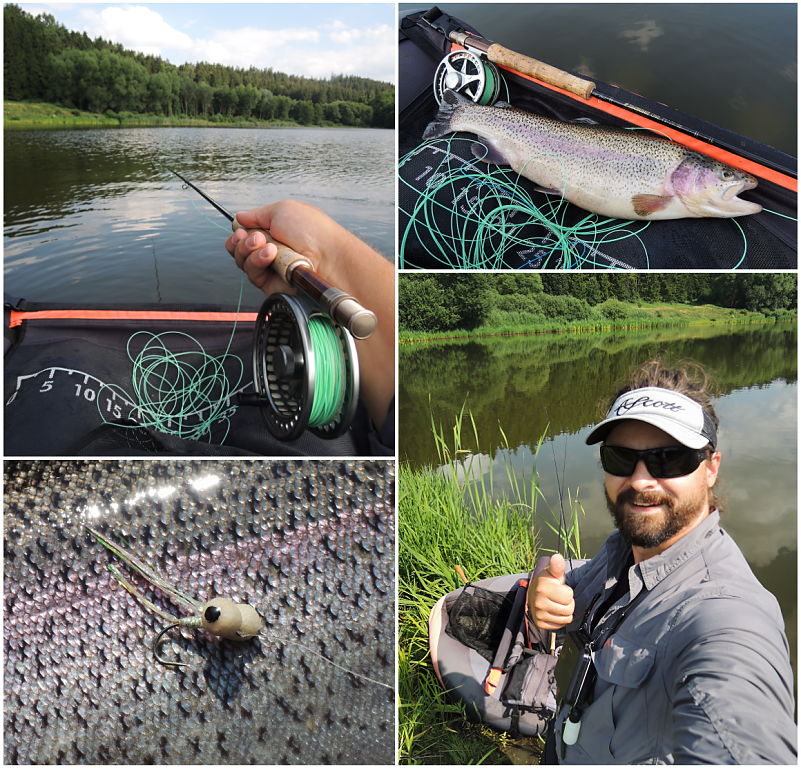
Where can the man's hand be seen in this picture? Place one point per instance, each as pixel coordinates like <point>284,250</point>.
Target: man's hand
<point>550,600</point>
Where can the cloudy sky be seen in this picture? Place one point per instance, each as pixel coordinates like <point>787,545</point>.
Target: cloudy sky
<point>312,39</point>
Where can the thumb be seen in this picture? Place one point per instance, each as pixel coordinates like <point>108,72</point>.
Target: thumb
<point>557,568</point>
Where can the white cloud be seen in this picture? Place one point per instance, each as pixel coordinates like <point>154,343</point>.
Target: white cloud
<point>346,37</point>
<point>138,28</point>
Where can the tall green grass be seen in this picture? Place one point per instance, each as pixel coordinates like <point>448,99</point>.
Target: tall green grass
<point>448,517</point>
<point>501,323</point>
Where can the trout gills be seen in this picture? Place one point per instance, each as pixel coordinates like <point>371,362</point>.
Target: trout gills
<point>308,545</point>
<point>609,171</point>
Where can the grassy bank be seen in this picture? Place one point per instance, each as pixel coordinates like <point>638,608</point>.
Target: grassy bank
<point>25,113</point>
<point>448,518</point>
<point>621,317</point>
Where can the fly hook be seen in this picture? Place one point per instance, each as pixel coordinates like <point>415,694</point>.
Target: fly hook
<point>220,617</point>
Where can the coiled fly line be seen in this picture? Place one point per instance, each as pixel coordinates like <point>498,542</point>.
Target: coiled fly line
<point>490,202</point>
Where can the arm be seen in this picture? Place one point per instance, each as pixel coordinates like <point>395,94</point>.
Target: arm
<point>341,259</point>
<point>732,690</point>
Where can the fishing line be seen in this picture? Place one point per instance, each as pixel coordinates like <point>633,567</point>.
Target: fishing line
<point>173,390</point>
<point>329,387</point>
<point>486,205</point>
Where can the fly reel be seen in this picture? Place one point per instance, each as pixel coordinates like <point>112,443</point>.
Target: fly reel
<point>305,370</point>
<point>468,74</point>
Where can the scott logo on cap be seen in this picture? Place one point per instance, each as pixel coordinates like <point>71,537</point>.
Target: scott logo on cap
<point>646,402</point>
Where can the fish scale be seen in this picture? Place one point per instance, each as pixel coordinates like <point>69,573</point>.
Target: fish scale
<point>309,545</point>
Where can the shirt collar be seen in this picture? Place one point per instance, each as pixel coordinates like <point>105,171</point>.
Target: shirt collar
<point>658,567</point>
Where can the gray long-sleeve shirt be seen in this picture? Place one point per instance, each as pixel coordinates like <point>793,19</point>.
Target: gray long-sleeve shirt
<point>699,672</point>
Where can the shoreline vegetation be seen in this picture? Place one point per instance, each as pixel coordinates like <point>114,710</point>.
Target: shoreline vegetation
<point>55,76</point>
<point>641,317</point>
<point>458,305</point>
<point>449,518</point>
<point>32,114</point>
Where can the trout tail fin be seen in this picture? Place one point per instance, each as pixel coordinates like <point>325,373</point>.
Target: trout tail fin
<point>441,124</point>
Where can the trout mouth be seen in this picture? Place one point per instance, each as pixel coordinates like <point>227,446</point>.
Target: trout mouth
<point>735,189</point>
<point>728,204</point>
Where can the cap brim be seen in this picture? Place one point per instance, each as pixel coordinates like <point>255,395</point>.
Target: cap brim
<point>684,435</point>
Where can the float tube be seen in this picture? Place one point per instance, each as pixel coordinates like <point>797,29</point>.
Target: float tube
<point>489,656</point>
<point>427,36</point>
<point>67,369</point>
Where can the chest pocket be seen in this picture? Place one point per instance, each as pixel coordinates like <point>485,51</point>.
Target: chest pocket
<point>621,662</point>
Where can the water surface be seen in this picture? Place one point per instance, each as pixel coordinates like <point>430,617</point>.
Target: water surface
<point>91,215</point>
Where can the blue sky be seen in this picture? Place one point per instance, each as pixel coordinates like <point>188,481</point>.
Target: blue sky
<point>312,39</point>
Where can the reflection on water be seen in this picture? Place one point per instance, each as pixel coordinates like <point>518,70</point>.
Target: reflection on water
<point>91,215</point>
<point>510,382</point>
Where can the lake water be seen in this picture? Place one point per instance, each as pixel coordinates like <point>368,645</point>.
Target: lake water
<point>91,215</point>
<point>733,64</point>
<point>508,383</point>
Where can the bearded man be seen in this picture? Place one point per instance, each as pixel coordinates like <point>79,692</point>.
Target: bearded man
<point>680,654</point>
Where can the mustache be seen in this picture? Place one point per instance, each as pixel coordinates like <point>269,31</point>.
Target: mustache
<point>645,498</point>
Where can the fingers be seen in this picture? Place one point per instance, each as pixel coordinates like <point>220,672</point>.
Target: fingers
<point>254,256</point>
<point>557,568</point>
<point>550,599</point>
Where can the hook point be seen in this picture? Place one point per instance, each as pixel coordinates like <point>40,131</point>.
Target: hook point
<point>155,649</point>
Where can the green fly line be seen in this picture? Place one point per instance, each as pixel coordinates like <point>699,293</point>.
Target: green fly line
<point>180,393</point>
<point>490,202</point>
<point>329,371</point>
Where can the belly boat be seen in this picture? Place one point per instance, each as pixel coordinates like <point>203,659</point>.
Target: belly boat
<point>68,384</point>
<point>489,656</point>
<point>428,36</point>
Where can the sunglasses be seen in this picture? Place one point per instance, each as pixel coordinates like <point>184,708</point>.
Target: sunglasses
<point>675,461</point>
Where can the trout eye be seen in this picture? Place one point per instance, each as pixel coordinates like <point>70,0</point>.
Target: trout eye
<point>726,175</point>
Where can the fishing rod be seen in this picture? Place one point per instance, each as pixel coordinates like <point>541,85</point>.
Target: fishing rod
<point>305,363</point>
<point>562,541</point>
<point>297,270</point>
<point>472,72</point>
<point>505,57</point>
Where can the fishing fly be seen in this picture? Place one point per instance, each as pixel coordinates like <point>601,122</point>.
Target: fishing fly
<point>220,617</point>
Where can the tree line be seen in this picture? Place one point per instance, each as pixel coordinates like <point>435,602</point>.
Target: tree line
<point>45,61</point>
<point>443,302</point>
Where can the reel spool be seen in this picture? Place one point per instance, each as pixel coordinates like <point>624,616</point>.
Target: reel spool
<point>468,74</point>
<point>305,370</point>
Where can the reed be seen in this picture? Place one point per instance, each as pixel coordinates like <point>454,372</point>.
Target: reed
<point>449,516</point>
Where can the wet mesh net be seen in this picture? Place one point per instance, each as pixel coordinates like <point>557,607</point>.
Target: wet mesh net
<point>478,617</point>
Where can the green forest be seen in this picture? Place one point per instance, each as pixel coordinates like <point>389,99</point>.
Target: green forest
<point>43,61</point>
<point>437,303</point>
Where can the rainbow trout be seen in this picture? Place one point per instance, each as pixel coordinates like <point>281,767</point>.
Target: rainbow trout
<point>609,171</point>
<point>310,545</point>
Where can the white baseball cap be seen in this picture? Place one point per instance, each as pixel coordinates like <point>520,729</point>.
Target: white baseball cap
<point>676,414</point>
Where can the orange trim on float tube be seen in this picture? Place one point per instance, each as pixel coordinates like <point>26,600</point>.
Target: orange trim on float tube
<point>113,314</point>
<point>702,147</point>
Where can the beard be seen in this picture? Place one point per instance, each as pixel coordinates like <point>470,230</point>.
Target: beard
<point>648,532</point>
